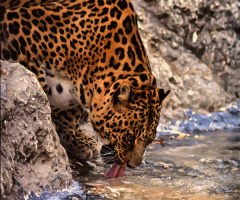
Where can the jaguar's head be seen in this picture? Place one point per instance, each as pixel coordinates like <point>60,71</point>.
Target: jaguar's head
<point>126,120</point>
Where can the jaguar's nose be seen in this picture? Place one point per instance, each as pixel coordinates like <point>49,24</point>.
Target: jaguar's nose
<point>134,164</point>
<point>136,157</point>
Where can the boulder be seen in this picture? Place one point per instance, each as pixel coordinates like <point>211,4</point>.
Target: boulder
<point>32,158</point>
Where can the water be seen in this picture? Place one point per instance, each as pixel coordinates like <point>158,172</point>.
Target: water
<point>205,166</point>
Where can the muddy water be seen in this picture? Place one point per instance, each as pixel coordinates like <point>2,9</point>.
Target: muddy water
<point>205,166</point>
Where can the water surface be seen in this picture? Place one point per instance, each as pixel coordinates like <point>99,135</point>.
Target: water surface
<point>205,166</point>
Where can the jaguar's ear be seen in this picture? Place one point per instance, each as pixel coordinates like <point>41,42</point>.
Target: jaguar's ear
<point>163,94</point>
<point>125,90</point>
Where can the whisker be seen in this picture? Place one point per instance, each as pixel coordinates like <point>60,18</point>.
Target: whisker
<point>111,160</point>
<point>108,147</point>
<point>109,154</point>
<point>106,150</point>
<point>106,154</point>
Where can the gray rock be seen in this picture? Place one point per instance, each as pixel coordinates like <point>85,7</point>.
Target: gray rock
<point>194,49</point>
<point>32,158</point>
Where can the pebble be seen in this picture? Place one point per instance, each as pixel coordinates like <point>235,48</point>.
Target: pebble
<point>235,163</point>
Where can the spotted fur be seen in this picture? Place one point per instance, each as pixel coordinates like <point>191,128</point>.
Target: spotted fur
<point>87,54</point>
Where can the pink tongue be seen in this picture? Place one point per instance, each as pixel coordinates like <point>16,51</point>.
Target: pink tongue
<point>116,171</point>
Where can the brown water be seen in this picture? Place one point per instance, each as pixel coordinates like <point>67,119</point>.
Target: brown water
<point>205,166</point>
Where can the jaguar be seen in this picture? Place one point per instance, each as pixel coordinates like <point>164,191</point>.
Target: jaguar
<point>88,54</point>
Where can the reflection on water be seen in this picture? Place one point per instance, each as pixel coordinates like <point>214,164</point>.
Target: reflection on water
<point>205,166</point>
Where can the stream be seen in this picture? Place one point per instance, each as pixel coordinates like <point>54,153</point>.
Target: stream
<point>176,166</point>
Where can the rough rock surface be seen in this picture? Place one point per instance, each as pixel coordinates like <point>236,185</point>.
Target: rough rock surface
<point>194,49</point>
<point>32,158</point>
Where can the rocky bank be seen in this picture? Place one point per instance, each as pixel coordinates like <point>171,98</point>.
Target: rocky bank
<point>194,49</point>
<point>32,158</point>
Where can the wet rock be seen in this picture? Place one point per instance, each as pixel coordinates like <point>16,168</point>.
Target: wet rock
<point>32,158</point>
<point>75,192</point>
<point>195,123</point>
<point>234,108</point>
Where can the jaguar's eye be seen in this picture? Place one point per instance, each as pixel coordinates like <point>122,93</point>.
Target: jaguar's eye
<point>131,140</point>
<point>130,137</point>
